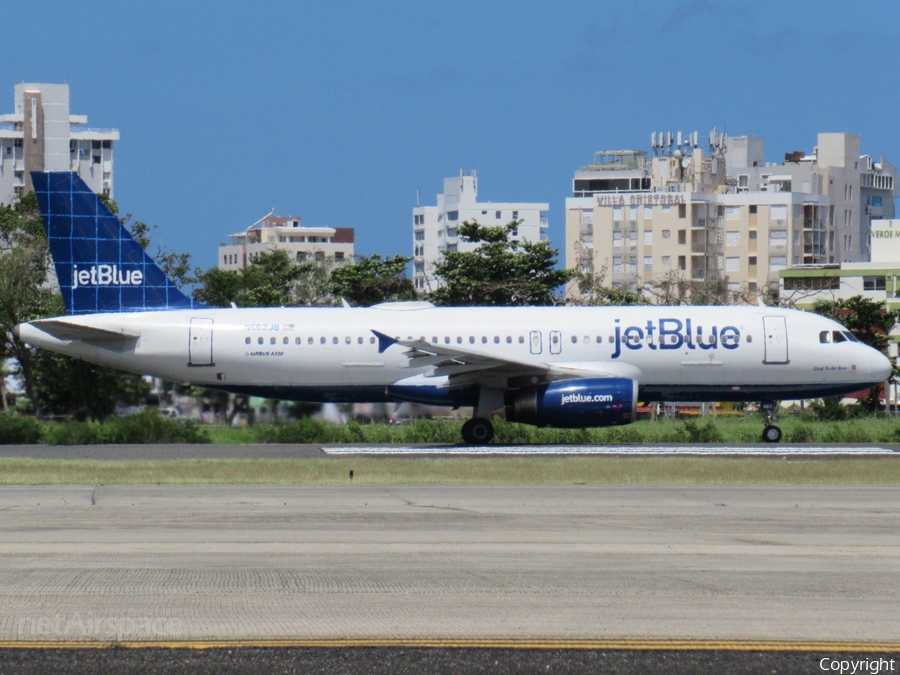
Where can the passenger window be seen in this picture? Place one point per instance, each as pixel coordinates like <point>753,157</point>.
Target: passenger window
<point>359,340</point>
<point>309,340</point>
<point>297,341</point>
<point>521,339</point>
<point>259,340</point>
<point>322,340</point>
<point>246,341</point>
<point>599,339</point>
<point>459,339</point>
<point>271,340</point>
<point>749,339</point>
<point>434,339</point>
<point>484,339</point>
<point>825,336</point>
<point>574,339</point>
<point>446,339</point>
<point>611,339</point>
<point>285,340</point>
<point>496,339</point>
<point>471,339</point>
<point>509,339</point>
<point>347,340</point>
<point>587,340</point>
<point>554,338</point>
<point>371,340</point>
<point>334,340</point>
<point>838,336</point>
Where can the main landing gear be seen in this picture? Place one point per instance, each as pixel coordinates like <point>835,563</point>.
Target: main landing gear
<point>771,434</point>
<point>478,431</point>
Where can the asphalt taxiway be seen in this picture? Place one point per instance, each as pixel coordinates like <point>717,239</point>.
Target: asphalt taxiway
<point>404,563</point>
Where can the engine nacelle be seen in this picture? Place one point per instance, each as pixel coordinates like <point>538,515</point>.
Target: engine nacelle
<point>595,402</point>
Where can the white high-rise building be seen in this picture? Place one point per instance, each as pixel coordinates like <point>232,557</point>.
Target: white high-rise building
<point>41,135</point>
<point>435,227</point>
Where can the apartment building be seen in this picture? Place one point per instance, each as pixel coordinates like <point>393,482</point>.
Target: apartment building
<point>878,279</point>
<point>719,218</point>
<point>435,227</point>
<point>273,232</point>
<point>41,135</point>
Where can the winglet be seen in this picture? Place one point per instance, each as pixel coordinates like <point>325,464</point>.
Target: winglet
<point>384,341</point>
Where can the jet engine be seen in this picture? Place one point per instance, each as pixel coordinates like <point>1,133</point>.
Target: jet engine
<point>593,402</point>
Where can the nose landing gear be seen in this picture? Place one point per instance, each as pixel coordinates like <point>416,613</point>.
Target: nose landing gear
<point>771,434</point>
<point>478,431</point>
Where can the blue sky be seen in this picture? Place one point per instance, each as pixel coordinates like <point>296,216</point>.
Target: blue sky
<point>339,111</point>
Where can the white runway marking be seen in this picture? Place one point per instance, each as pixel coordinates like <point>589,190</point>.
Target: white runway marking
<point>776,450</point>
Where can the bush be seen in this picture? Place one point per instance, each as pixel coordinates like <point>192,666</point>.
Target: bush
<point>707,432</point>
<point>304,430</point>
<point>849,432</point>
<point>144,427</point>
<point>19,430</point>
<point>801,433</point>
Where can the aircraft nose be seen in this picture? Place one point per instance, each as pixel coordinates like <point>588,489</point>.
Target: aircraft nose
<point>879,365</point>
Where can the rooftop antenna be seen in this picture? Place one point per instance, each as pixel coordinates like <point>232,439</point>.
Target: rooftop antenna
<point>417,197</point>
<point>271,211</point>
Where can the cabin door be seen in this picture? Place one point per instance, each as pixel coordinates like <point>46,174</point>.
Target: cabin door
<point>555,342</point>
<point>775,328</point>
<point>200,345</point>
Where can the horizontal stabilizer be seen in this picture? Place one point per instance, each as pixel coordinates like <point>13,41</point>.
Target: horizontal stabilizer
<point>65,330</point>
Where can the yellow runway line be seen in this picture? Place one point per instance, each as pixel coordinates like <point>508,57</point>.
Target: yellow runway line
<point>613,645</point>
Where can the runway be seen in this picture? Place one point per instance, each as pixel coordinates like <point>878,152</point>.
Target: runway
<point>403,563</point>
<point>637,450</point>
<point>322,451</point>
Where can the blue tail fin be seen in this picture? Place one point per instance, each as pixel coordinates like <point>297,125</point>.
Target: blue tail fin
<point>100,267</point>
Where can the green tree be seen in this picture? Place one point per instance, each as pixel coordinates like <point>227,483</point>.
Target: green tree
<point>89,390</point>
<point>271,279</point>
<point>501,271</point>
<point>591,290</point>
<point>371,280</point>
<point>871,322</point>
<point>24,292</point>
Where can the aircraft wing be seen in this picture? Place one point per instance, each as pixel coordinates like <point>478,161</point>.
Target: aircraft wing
<point>68,330</point>
<point>465,367</point>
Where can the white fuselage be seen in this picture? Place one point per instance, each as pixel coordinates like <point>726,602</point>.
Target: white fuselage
<point>675,353</point>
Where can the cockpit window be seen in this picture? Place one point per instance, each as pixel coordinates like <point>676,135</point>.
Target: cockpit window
<point>825,336</point>
<point>839,336</point>
<point>850,336</point>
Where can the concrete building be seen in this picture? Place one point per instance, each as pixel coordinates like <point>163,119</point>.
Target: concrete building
<point>285,233</point>
<point>878,279</point>
<point>41,135</point>
<point>859,189</point>
<point>721,221</point>
<point>435,227</point>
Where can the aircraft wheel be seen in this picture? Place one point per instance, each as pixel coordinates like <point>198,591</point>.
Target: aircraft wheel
<point>771,434</point>
<point>478,431</point>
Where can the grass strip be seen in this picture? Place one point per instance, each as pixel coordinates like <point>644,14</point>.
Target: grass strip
<point>452,470</point>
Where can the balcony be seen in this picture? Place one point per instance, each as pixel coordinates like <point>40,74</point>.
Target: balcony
<point>544,223</point>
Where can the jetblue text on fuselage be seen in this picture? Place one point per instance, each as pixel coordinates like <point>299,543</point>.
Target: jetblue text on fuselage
<point>674,334</point>
<point>106,275</point>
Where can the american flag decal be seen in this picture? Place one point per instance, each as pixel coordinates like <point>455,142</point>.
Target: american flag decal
<point>287,326</point>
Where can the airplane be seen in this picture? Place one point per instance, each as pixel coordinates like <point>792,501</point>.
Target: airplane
<point>571,367</point>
